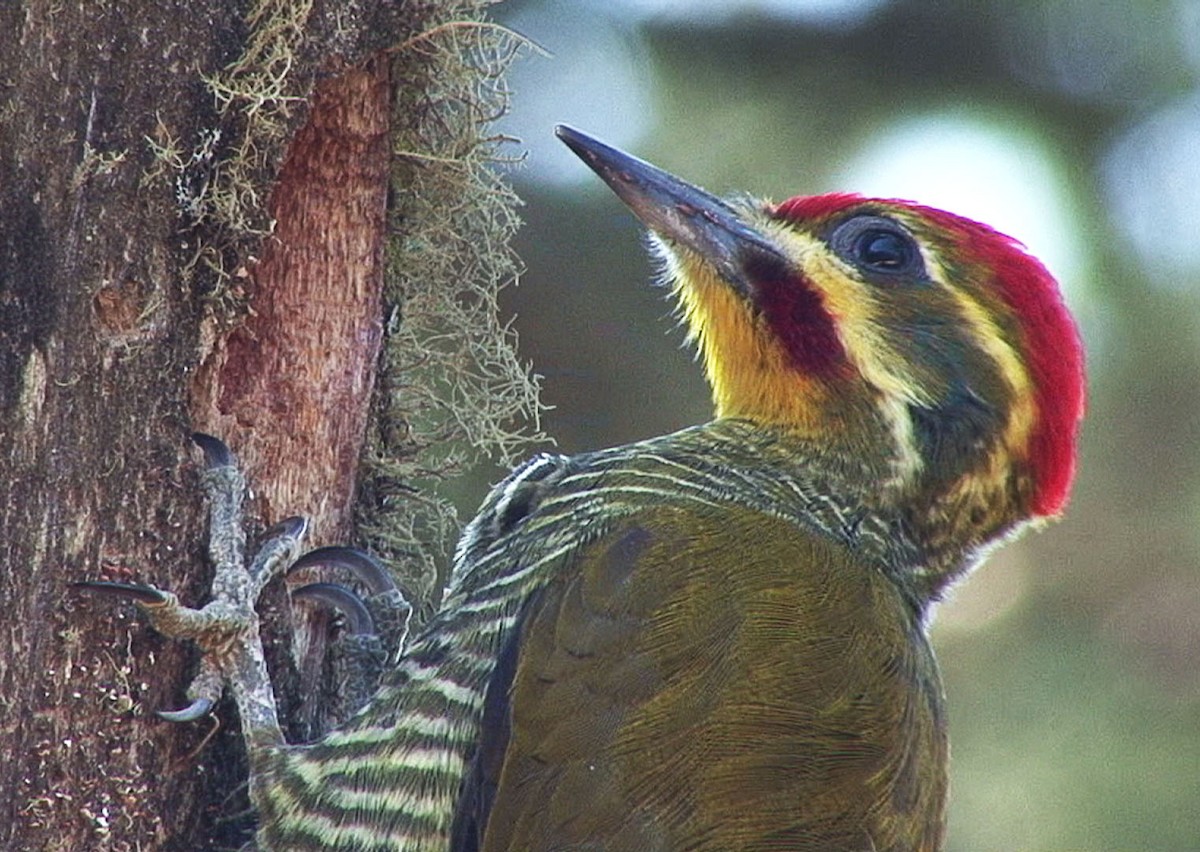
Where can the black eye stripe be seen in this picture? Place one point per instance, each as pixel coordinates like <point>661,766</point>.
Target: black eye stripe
<point>879,247</point>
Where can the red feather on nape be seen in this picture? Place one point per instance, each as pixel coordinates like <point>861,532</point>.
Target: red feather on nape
<point>1053,346</point>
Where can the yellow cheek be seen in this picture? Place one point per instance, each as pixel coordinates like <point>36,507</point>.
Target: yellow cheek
<point>748,370</point>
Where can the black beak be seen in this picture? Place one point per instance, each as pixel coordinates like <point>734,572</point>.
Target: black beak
<point>677,211</point>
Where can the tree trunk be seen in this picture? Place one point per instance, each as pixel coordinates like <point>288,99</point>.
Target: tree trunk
<point>194,235</point>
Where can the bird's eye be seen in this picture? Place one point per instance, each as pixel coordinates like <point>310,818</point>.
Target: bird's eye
<point>884,250</point>
<point>877,245</point>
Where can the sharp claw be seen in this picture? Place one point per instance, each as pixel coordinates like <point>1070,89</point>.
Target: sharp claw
<point>358,619</point>
<point>130,591</point>
<point>293,527</point>
<point>216,453</point>
<point>197,709</point>
<point>365,567</point>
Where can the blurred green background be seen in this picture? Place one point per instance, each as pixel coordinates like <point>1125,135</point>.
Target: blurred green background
<point>1072,658</point>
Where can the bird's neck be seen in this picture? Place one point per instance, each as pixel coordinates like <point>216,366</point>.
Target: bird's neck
<point>826,489</point>
<point>925,533</point>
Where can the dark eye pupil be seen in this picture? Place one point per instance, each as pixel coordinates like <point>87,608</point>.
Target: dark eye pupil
<point>884,250</point>
<point>880,248</point>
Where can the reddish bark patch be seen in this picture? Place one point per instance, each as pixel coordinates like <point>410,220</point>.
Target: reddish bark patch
<point>289,388</point>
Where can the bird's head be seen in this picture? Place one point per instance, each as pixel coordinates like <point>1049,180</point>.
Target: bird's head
<point>880,328</point>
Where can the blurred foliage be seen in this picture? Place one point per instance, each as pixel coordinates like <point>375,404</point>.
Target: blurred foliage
<point>1072,659</point>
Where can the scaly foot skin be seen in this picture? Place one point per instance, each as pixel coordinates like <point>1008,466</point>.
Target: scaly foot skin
<point>226,629</point>
<point>375,628</point>
<point>387,608</point>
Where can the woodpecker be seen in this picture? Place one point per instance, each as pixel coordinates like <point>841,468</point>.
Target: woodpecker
<point>714,639</point>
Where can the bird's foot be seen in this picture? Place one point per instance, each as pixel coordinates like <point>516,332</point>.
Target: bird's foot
<point>375,626</point>
<point>226,628</point>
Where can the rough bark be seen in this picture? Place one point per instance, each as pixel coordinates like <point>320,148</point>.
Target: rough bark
<point>156,279</point>
<point>290,386</point>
